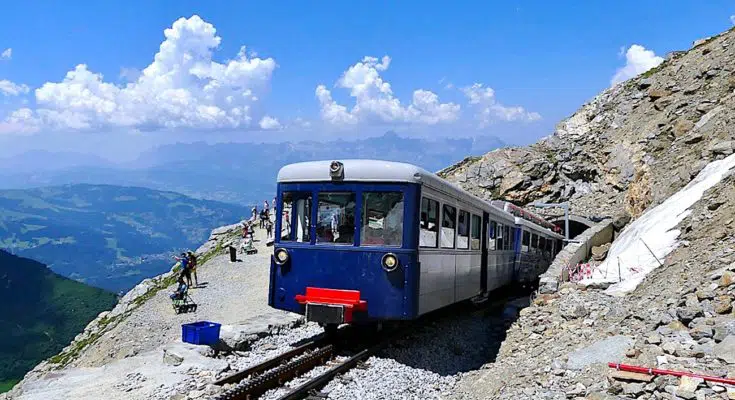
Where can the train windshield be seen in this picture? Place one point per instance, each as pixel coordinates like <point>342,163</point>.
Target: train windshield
<point>371,215</point>
<point>382,219</point>
<point>336,218</point>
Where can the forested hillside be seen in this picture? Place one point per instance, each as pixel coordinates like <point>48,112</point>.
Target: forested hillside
<point>41,313</point>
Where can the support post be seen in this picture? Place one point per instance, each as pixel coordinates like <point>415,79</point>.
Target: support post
<point>565,207</point>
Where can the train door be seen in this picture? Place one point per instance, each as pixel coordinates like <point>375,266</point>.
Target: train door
<point>484,259</point>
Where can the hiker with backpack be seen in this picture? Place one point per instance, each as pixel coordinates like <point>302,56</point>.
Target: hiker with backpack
<point>185,267</point>
<point>193,267</point>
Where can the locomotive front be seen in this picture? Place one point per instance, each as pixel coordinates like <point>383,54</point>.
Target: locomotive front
<point>346,252</point>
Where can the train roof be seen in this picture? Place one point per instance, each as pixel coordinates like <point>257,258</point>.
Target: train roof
<point>379,171</point>
<point>354,171</point>
<point>364,170</point>
<point>538,228</point>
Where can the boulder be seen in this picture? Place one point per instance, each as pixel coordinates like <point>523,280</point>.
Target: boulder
<point>725,148</point>
<point>611,349</point>
<point>548,284</point>
<point>727,278</point>
<point>722,305</point>
<point>600,252</point>
<point>574,311</point>
<point>239,337</point>
<point>171,358</point>
<point>682,127</point>
<point>725,350</point>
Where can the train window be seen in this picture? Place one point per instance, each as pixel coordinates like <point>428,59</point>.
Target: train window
<point>534,241</point>
<point>382,219</point>
<point>499,236</point>
<point>463,231</point>
<point>429,224</point>
<point>512,238</point>
<point>476,229</point>
<point>542,243</point>
<point>336,218</point>
<point>549,246</point>
<point>296,213</point>
<point>506,236</point>
<point>526,241</point>
<point>449,222</point>
<point>491,235</point>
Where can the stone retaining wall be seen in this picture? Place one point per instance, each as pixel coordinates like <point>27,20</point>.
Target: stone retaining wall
<point>573,253</point>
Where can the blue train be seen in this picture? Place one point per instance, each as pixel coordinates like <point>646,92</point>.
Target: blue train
<point>372,241</point>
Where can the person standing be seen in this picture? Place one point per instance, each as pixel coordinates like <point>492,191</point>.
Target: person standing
<point>193,267</point>
<point>269,229</point>
<point>185,270</point>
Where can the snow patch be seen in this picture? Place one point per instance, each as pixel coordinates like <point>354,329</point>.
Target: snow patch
<point>629,259</point>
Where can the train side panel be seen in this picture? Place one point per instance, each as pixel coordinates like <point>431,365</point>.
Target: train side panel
<point>501,265</point>
<point>448,275</point>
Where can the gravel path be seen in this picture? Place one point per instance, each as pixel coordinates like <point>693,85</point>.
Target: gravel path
<point>233,294</point>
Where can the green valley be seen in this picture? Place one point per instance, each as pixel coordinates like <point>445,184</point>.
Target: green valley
<point>42,312</point>
<point>107,236</point>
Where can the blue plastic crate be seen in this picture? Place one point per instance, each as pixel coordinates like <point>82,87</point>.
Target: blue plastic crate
<point>202,332</point>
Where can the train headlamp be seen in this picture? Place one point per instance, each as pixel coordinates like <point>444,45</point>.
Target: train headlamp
<point>336,170</point>
<point>390,262</point>
<point>281,256</point>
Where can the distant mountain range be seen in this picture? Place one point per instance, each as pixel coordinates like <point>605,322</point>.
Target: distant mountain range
<point>242,173</point>
<point>107,236</point>
<point>42,312</point>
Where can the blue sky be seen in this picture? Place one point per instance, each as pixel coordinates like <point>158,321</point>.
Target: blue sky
<point>542,60</point>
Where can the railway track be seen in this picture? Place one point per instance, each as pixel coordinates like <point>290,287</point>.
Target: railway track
<point>253,382</point>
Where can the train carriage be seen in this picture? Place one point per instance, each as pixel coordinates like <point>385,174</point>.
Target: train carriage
<point>369,240</point>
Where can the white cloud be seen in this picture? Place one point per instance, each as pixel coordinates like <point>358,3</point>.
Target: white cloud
<point>300,122</point>
<point>732,19</point>
<point>637,61</point>
<point>183,87</point>
<point>268,122</point>
<point>7,54</point>
<point>8,88</point>
<point>129,74</point>
<point>488,109</point>
<point>375,102</point>
<point>18,122</point>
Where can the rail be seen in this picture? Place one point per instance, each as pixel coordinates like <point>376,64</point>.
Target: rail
<point>275,372</point>
<point>273,362</point>
<point>324,378</point>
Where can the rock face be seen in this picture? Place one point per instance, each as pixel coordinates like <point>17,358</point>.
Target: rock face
<point>630,147</point>
<point>626,151</point>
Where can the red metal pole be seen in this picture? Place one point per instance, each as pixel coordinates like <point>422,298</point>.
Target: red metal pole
<point>654,371</point>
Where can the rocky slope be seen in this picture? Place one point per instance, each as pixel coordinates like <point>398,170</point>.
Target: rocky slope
<point>132,335</point>
<point>629,148</point>
<point>623,153</point>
